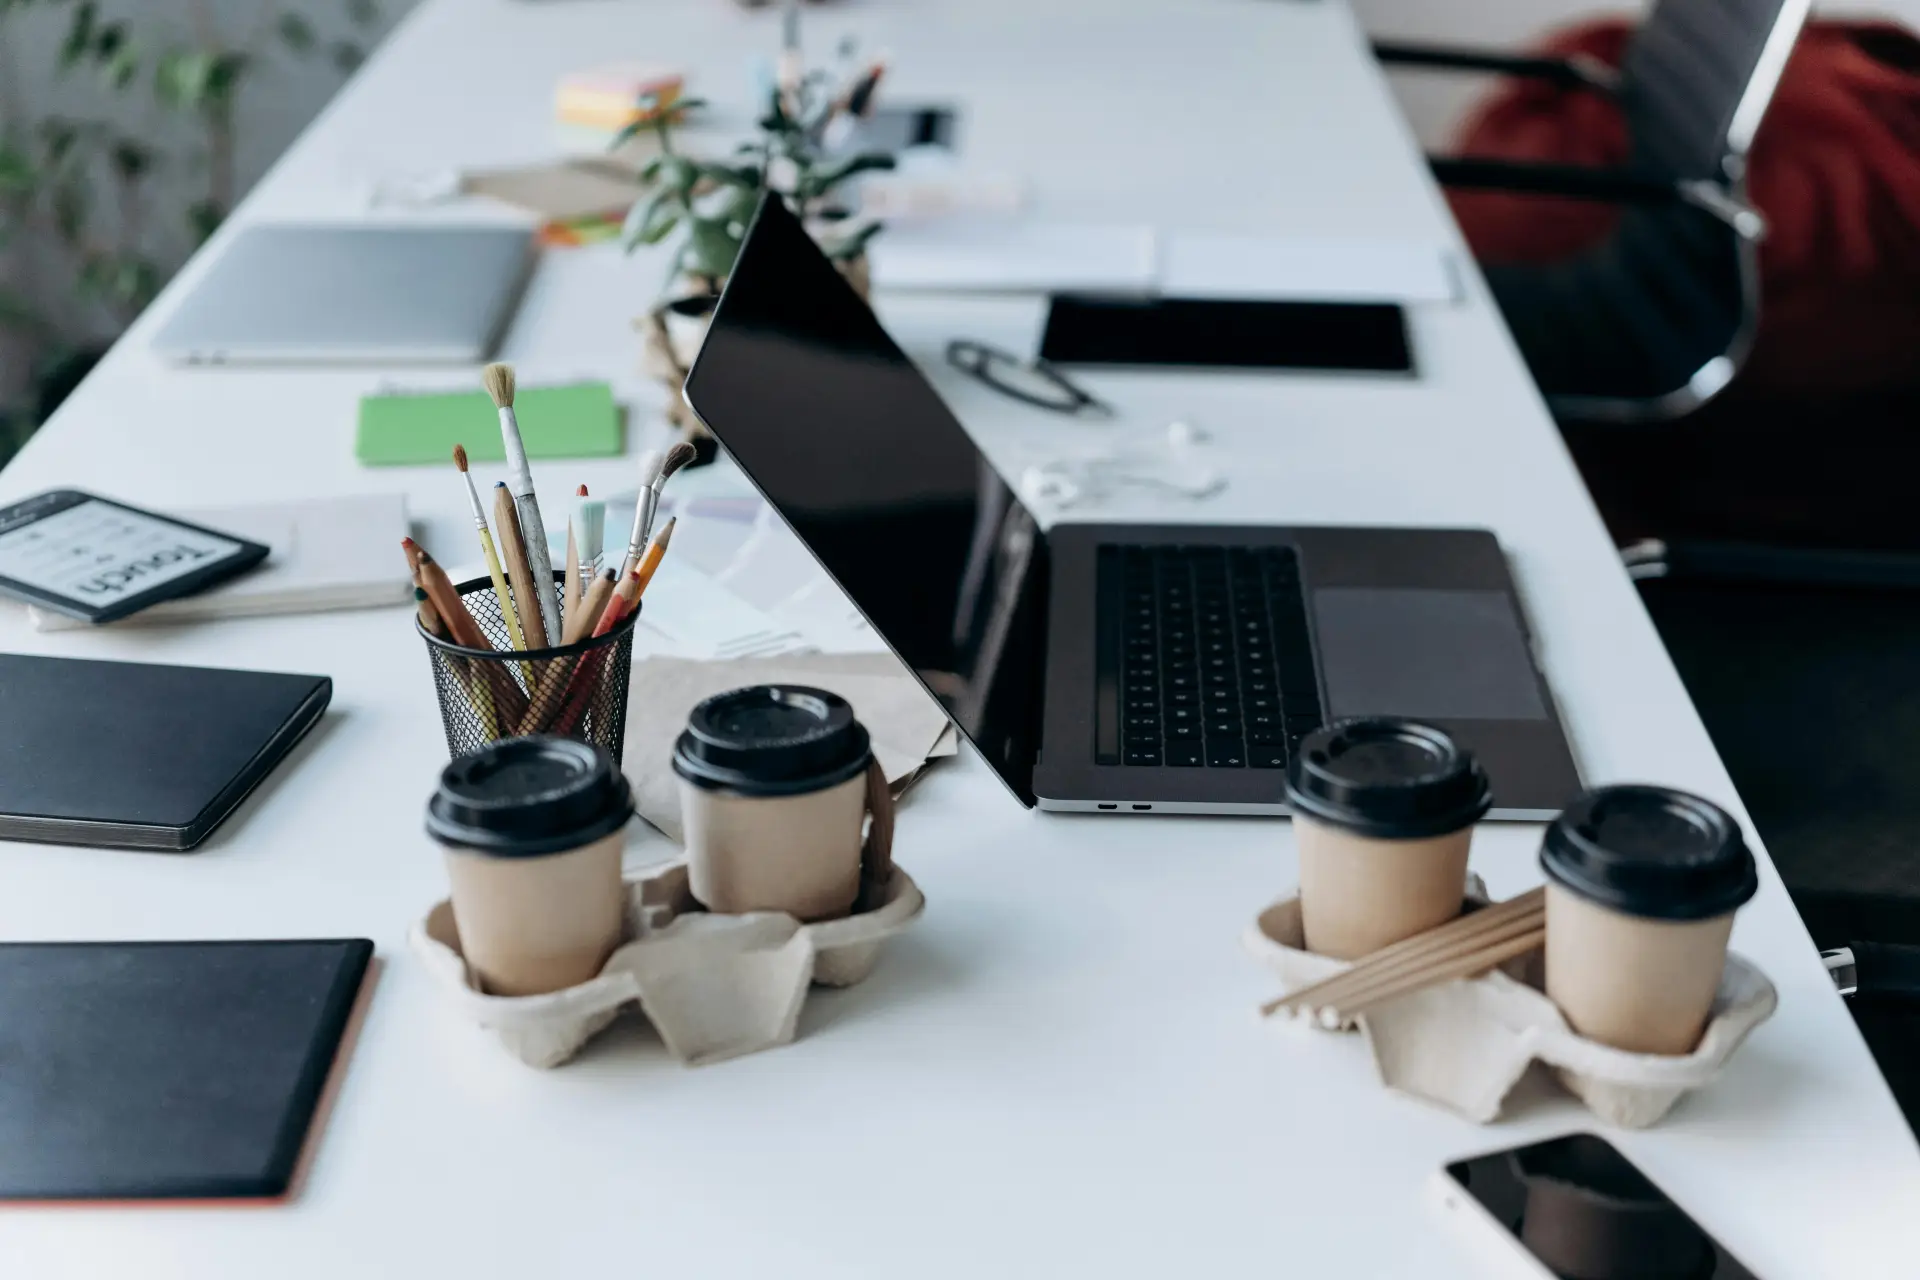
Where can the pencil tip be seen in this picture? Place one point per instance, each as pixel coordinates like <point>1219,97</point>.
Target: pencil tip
<point>583,491</point>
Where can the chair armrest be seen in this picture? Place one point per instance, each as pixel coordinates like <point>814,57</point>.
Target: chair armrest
<point>1611,186</point>
<point>1577,72</point>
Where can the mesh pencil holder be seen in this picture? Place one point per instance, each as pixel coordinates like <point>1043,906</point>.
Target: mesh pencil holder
<point>573,691</point>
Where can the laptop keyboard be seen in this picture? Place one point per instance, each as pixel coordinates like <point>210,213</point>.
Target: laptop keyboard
<point>1204,657</point>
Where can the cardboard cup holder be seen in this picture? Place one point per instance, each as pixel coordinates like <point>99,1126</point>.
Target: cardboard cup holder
<point>714,987</point>
<point>1464,1045</point>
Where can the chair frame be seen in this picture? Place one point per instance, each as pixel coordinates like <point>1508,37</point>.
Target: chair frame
<point>1724,200</point>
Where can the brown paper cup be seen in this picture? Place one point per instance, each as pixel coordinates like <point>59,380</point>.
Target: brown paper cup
<point>1359,894</point>
<point>1638,984</point>
<point>533,925</point>
<point>800,854</point>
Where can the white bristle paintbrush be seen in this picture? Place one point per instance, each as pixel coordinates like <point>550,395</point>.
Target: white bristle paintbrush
<point>588,524</point>
<point>498,380</point>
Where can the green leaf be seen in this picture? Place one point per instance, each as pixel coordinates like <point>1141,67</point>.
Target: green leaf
<point>59,136</point>
<point>133,283</point>
<point>78,42</point>
<point>203,219</point>
<point>629,131</point>
<point>677,173</point>
<point>730,175</point>
<point>854,245</point>
<point>17,313</point>
<point>122,66</point>
<point>297,33</point>
<point>71,203</point>
<point>346,56</point>
<point>363,13</point>
<point>17,174</point>
<point>650,171</point>
<point>181,78</point>
<point>131,159</point>
<point>710,250</point>
<point>820,181</point>
<point>652,221</point>
<point>223,80</point>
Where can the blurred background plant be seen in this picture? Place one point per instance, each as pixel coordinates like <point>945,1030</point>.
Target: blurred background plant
<point>121,150</point>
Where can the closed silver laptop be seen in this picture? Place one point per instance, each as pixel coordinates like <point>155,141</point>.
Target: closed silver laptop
<point>352,294</point>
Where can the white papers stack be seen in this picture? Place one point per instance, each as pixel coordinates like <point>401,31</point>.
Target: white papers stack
<point>1024,255</point>
<point>324,554</point>
<point>1200,265</point>
<point>1014,255</point>
<point>738,584</point>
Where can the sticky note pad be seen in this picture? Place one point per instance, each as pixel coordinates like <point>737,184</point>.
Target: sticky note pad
<point>578,421</point>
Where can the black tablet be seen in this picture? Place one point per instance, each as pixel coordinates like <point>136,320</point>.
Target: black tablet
<point>170,1070</point>
<point>99,560</point>
<point>1211,333</point>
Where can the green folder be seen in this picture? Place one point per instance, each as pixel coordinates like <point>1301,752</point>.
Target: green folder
<point>579,421</point>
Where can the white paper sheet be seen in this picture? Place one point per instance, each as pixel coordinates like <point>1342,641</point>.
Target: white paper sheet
<point>1205,265</point>
<point>1015,255</point>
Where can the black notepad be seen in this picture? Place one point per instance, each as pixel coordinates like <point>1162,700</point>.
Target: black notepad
<point>166,1070</point>
<point>145,757</point>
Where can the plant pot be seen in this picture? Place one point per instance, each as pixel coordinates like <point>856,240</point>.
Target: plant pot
<point>674,328</point>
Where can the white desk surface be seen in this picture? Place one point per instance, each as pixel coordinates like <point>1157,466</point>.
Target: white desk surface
<point>1060,1070</point>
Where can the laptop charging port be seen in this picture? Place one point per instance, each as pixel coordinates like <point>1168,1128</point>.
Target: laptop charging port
<point>1141,808</point>
<point>1109,806</point>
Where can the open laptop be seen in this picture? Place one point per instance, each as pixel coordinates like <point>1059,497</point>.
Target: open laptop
<point>352,294</point>
<point>1104,667</point>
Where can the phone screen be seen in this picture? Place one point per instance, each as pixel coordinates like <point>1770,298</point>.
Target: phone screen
<point>1364,337</point>
<point>1586,1213</point>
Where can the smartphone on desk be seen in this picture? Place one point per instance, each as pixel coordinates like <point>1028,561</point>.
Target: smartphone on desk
<point>1227,333</point>
<point>99,560</point>
<point>1574,1208</point>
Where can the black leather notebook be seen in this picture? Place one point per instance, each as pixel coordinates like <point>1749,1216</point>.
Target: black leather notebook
<point>166,1070</point>
<point>144,757</point>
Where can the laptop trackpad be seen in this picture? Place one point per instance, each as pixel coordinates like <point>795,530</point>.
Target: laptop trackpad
<point>1425,654</point>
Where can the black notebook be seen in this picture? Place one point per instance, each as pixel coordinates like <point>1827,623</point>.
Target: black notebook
<point>146,757</point>
<point>166,1070</point>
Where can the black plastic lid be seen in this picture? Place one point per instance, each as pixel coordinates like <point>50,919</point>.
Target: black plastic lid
<point>1651,851</point>
<point>1389,779</point>
<point>772,740</point>
<point>525,797</point>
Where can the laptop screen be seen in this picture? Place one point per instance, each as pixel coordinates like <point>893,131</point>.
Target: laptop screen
<point>852,445</point>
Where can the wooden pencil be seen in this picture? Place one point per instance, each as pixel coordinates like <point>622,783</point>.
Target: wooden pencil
<point>586,615</point>
<point>656,552</point>
<point>446,601</point>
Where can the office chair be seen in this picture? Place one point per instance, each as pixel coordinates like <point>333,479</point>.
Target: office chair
<point>1656,319</point>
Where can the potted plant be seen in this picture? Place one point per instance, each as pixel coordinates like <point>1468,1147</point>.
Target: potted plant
<point>708,204</point>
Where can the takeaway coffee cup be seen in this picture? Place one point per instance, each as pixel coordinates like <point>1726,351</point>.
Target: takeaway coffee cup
<point>1383,812</point>
<point>532,829</point>
<point>1642,884</point>
<point>774,796</point>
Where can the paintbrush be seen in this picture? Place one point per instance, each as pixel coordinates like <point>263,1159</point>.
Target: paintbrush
<point>494,571</point>
<point>498,379</point>
<point>649,504</point>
